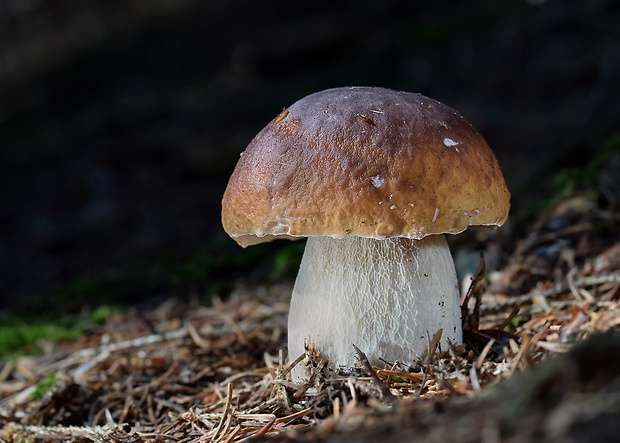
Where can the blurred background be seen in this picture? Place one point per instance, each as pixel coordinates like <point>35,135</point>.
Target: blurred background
<point>121,121</point>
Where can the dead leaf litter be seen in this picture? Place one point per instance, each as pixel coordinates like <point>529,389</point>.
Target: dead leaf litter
<point>191,373</point>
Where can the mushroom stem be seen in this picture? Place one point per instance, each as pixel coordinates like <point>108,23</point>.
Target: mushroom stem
<point>386,296</point>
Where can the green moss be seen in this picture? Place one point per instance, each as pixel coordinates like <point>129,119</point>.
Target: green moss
<point>204,272</point>
<point>100,315</point>
<point>64,313</point>
<point>513,324</point>
<point>287,260</point>
<point>586,179</point>
<point>17,335</point>
<point>43,386</point>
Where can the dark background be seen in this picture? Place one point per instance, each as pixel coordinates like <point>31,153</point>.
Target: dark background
<point>121,121</point>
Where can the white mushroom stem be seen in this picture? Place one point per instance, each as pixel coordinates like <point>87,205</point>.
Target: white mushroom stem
<point>387,297</point>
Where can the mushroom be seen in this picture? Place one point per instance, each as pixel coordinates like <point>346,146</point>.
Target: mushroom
<point>374,178</point>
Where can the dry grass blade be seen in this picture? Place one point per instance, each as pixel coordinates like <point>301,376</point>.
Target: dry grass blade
<point>483,355</point>
<point>225,415</point>
<point>409,376</point>
<point>263,431</point>
<point>471,319</point>
<point>386,394</point>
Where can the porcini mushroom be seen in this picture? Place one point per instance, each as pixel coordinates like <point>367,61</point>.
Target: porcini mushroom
<point>374,178</point>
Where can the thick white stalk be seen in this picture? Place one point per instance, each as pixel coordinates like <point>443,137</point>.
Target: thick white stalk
<point>384,296</point>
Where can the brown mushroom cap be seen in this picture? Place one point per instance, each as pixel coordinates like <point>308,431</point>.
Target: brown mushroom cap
<point>368,162</point>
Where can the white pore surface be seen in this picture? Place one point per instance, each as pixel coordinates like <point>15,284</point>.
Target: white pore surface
<point>387,297</point>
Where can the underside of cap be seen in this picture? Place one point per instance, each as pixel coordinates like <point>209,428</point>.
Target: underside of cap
<point>368,162</point>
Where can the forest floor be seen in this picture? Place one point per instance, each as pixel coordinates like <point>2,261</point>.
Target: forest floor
<point>112,194</point>
<point>539,362</point>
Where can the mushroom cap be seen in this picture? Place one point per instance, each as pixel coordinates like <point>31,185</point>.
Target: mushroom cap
<point>364,161</point>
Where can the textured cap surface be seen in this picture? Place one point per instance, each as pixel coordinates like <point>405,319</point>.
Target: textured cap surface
<point>364,161</point>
